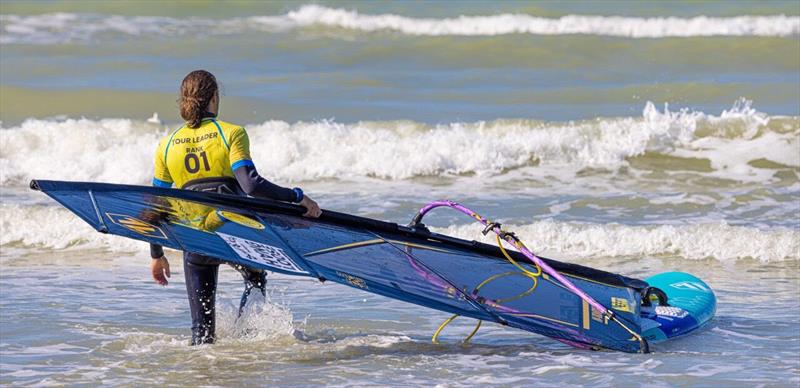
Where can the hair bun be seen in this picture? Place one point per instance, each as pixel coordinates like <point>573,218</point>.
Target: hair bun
<point>197,90</point>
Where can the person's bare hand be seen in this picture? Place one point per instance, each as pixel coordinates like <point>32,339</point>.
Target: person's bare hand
<point>312,209</point>
<point>160,269</point>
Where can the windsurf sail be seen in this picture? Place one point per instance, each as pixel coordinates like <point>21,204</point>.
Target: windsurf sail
<point>577,305</point>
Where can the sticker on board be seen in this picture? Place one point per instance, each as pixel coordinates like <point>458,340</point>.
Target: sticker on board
<point>261,253</point>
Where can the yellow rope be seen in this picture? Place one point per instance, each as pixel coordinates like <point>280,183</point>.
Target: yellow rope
<point>529,273</point>
<point>532,275</point>
<point>504,274</point>
<point>474,331</point>
<point>435,338</point>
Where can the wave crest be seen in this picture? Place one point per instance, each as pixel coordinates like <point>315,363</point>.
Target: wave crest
<point>701,241</point>
<point>121,150</point>
<point>55,28</point>
<point>631,27</point>
<point>22,227</point>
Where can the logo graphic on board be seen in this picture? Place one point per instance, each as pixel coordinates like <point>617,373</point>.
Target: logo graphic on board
<point>353,280</point>
<point>692,286</point>
<point>670,311</point>
<point>261,253</point>
<point>598,316</point>
<point>240,219</point>
<point>136,225</point>
<point>620,304</point>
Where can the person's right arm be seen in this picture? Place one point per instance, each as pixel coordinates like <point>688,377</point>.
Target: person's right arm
<point>256,186</point>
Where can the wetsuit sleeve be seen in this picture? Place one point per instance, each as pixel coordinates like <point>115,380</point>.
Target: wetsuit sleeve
<point>156,251</point>
<point>246,174</point>
<point>255,185</point>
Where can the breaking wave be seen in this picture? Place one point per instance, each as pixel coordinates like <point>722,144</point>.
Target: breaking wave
<point>21,228</point>
<point>740,144</point>
<point>631,27</point>
<point>719,241</point>
<point>54,28</point>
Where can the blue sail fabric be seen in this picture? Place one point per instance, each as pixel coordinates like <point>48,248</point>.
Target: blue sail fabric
<point>416,266</point>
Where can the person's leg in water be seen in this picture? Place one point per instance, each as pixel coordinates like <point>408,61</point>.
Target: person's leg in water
<point>201,286</point>
<point>253,278</point>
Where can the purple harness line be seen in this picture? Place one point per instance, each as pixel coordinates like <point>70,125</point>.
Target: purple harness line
<point>496,229</point>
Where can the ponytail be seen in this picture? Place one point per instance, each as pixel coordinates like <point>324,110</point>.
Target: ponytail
<point>197,90</point>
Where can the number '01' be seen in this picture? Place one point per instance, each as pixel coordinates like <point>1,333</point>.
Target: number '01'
<point>192,162</point>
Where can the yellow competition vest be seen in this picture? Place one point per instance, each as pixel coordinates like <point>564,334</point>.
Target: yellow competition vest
<point>212,150</point>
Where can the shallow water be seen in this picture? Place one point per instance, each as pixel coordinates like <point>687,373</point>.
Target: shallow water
<point>130,332</point>
<point>633,153</point>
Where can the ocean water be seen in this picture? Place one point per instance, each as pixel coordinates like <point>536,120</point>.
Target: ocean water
<point>634,137</point>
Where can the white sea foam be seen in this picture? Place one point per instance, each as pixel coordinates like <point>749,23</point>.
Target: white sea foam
<point>700,241</point>
<point>25,226</point>
<point>113,150</point>
<point>633,27</point>
<point>263,320</point>
<point>21,226</point>
<point>54,28</point>
<point>90,150</point>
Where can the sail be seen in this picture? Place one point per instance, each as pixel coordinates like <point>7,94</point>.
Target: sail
<point>409,264</point>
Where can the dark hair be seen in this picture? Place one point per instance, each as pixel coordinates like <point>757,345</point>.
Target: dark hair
<point>197,90</point>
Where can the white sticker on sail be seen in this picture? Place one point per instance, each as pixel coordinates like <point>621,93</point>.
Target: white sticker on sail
<point>261,253</point>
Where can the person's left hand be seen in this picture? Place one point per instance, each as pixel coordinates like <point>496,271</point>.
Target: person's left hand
<point>312,209</point>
